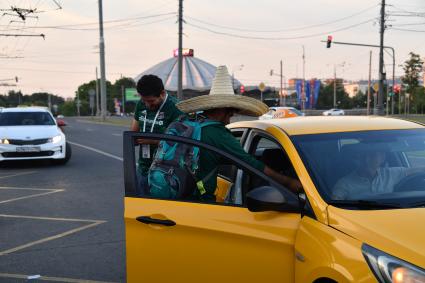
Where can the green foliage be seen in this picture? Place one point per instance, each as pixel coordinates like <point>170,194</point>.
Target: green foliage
<point>412,71</point>
<point>15,98</point>
<point>326,97</point>
<point>68,109</point>
<point>112,91</point>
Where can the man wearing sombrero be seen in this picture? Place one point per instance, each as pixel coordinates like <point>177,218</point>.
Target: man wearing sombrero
<point>220,105</point>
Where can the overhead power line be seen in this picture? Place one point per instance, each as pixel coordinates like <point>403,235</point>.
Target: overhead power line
<point>280,38</point>
<point>93,23</point>
<point>285,29</point>
<point>411,30</point>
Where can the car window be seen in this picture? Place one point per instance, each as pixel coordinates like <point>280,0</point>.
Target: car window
<point>26,119</point>
<point>268,151</point>
<point>222,190</point>
<point>229,171</point>
<point>383,166</point>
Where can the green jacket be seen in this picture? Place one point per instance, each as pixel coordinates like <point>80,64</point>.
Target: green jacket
<point>221,137</point>
<point>168,114</point>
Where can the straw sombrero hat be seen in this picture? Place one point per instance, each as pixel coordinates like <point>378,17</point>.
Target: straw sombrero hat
<point>223,96</point>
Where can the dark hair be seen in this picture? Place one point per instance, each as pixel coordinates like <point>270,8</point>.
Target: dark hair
<point>150,85</point>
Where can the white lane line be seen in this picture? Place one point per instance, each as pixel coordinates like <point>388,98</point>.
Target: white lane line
<point>54,237</point>
<point>96,150</point>
<point>117,135</point>
<point>28,196</point>
<point>18,174</point>
<point>49,218</point>
<point>49,278</point>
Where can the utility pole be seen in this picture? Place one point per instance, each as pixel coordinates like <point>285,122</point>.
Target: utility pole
<point>303,83</point>
<point>334,86</point>
<point>368,83</point>
<point>102,63</point>
<point>49,101</point>
<point>180,58</point>
<point>379,107</point>
<point>281,84</point>
<point>97,95</point>
<point>392,96</point>
<point>123,99</point>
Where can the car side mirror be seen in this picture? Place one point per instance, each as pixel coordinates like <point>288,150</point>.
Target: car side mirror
<point>266,198</point>
<point>61,123</point>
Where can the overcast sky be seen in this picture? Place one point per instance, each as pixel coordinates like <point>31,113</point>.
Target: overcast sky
<point>256,34</point>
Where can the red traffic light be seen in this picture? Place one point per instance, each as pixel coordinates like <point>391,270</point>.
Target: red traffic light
<point>242,89</point>
<point>329,41</point>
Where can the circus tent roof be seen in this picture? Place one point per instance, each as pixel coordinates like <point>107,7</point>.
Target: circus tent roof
<point>197,74</point>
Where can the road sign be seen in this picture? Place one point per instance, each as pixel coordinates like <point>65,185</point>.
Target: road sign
<point>262,87</point>
<point>376,87</point>
<point>131,94</point>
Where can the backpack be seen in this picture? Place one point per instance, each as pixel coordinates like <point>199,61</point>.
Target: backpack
<point>172,174</point>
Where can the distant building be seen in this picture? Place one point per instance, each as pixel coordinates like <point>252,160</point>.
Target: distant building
<point>352,89</point>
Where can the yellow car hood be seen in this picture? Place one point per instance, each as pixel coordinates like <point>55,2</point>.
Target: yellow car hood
<point>399,232</point>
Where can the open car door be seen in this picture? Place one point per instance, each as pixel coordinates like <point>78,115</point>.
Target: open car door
<point>188,241</point>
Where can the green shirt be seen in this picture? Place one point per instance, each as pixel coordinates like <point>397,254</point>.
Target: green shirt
<point>219,136</point>
<point>169,113</point>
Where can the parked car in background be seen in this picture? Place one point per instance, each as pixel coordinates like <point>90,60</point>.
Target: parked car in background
<point>281,112</point>
<point>60,116</point>
<point>32,133</point>
<point>333,112</point>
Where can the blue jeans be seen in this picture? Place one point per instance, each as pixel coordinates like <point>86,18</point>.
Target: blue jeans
<point>142,185</point>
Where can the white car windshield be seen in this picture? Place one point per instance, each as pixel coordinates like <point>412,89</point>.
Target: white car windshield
<point>26,119</point>
<point>372,166</point>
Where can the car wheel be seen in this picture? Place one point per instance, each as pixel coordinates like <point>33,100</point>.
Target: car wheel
<point>68,153</point>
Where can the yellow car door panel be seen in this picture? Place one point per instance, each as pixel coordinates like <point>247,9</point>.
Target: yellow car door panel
<point>208,243</point>
<point>182,241</point>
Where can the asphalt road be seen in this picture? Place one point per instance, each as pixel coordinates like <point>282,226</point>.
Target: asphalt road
<point>65,223</point>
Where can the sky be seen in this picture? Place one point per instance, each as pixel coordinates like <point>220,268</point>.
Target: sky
<point>255,34</point>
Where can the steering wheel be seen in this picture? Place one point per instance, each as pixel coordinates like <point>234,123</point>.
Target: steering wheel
<point>413,182</point>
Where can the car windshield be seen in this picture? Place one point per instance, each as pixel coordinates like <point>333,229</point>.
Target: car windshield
<point>382,168</point>
<point>26,119</point>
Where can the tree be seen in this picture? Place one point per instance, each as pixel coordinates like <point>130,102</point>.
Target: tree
<point>413,68</point>
<point>112,91</point>
<point>326,97</point>
<point>360,100</point>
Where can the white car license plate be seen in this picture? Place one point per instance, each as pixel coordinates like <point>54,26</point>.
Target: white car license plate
<point>28,149</point>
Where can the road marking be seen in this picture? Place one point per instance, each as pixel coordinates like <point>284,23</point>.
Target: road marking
<point>117,135</point>
<point>54,237</point>
<point>54,279</point>
<point>18,174</point>
<point>50,191</point>
<point>97,151</point>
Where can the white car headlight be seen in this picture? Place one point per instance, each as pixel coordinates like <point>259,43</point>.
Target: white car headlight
<point>4,141</point>
<point>55,139</point>
<point>389,269</point>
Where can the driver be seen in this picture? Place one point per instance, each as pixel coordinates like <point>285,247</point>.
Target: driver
<point>370,177</point>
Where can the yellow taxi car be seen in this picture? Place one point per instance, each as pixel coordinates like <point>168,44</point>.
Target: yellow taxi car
<point>360,217</point>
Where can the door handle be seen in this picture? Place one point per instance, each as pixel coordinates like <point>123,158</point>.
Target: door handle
<point>150,220</point>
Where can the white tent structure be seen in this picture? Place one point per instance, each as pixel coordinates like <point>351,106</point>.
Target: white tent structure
<point>197,74</point>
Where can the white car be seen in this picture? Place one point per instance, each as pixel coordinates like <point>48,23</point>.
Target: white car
<point>272,111</point>
<point>333,112</point>
<point>32,133</point>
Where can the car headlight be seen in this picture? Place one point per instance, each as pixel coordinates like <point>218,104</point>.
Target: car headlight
<point>55,139</point>
<point>389,269</point>
<point>4,141</point>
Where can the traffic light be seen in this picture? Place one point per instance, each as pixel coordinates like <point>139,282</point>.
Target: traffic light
<point>329,41</point>
<point>242,89</point>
